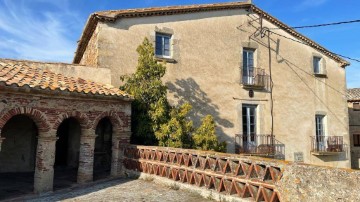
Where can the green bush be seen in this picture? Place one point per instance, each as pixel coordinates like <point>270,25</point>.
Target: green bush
<point>205,136</point>
<point>177,131</point>
<point>150,108</point>
<point>153,120</point>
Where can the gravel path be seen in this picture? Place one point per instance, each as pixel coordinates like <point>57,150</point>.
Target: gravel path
<point>123,190</point>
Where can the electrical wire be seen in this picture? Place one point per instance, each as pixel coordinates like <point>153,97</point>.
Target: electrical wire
<point>323,25</point>
<point>353,59</point>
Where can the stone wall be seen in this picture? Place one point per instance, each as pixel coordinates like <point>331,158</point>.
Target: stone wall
<point>354,124</point>
<point>248,178</point>
<point>48,112</point>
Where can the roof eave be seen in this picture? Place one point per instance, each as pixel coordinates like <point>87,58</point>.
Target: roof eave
<point>57,92</point>
<point>85,37</point>
<point>96,17</point>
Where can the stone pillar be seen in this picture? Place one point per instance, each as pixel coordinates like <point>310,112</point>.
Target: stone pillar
<point>1,141</point>
<point>119,141</point>
<point>45,159</point>
<point>86,156</point>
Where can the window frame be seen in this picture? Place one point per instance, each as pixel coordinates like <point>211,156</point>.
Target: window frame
<point>163,49</point>
<point>318,61</point>
<point>320,126</point>
<point>248,65</point>
<point>357,142</point>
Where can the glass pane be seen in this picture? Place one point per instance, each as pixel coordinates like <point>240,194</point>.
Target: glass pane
<point>158,45</point>
<point>316,63</point>
<point>251,59</point>
<point>245,63</point>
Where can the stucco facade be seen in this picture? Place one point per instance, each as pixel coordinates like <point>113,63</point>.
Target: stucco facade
<point>205,70</point>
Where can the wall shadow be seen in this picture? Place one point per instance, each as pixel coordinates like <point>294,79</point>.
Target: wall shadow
<point>188,90</point>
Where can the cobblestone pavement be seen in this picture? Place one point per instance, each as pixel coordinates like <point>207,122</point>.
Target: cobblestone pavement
<point>123,190</point>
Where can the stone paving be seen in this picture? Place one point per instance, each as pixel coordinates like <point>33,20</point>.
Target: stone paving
<point>126,190</point>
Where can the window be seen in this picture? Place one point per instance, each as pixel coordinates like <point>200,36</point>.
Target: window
<point>248,66</point>
<point>319,120</point>
<point>162,45</point>
<point>249,123</point>
<point>356,140</point>
<point>317,65</point>
<point>356,106</point>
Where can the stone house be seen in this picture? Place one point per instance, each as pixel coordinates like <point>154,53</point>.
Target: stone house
<point>354,124</point>
<point>58,129</point>
<point>272,91</point>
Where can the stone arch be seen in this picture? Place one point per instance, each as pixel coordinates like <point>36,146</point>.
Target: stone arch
<point>37,116</point>
<point>112,116</point>
<point>81,117</point>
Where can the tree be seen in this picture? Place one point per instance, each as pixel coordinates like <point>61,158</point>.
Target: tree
<point>150,108</point>
<point>205,136</point>
<point>153,120</point>
<point>177,131</point>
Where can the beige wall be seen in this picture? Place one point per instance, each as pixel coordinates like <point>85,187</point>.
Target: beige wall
<point>354,117</point>
<point>207,47</point>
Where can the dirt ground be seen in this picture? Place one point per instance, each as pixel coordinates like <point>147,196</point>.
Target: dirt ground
<point>122,190</point>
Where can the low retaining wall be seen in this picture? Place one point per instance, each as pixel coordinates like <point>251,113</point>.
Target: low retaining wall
<point>253,178</point>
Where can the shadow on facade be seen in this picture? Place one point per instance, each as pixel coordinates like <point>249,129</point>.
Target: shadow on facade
<point>187,90</point>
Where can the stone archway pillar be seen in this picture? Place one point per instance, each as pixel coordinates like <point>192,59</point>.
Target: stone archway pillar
<point>1,141</point>
<point>45,159</point>
<point>119,141</point>
<point>86,156</point>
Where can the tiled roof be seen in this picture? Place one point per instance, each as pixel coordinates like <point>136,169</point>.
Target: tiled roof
<point>13,73</point>
<point>113,15</point>
<point>353,94</point>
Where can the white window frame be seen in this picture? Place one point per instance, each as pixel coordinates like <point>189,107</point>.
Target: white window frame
<point>320,125</point>
<point>163,36</point>
<point>248,71</point>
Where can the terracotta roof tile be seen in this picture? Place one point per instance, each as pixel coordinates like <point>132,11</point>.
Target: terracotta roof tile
<point>19,74</point>
<point>353,94</point>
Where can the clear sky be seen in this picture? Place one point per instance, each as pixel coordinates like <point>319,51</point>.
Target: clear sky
<point>48,30</point>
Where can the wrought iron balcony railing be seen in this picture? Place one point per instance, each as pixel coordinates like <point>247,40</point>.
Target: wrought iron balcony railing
<point>252,77</point>
<point>327,145</point>
<point>255,144</point>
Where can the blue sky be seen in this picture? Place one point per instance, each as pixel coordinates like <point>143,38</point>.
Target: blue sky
<point>48,30</point>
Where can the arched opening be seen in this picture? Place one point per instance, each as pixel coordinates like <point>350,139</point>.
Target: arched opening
<point>67,153</point>
<point>17,157</point>
<point>103,149</point>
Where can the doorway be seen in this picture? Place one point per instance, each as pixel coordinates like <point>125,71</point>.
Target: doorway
<point>17,157</point>
<point>249,127</point>
<point>67,153</point>
<point>103,149</point>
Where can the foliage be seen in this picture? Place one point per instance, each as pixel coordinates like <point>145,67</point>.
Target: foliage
<point>177,131</point>
<point>150,108</point>
<point>153,120</point>
<point>205,136</point>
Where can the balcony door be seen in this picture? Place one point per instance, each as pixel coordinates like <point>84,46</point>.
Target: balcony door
<point>320,132</point>
<point>249,126</point>
<point>248,67</point>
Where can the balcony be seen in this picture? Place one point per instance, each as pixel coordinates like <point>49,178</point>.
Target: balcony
<point>259,145</point>
<point>326,145</point>
<point>254,78</point>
